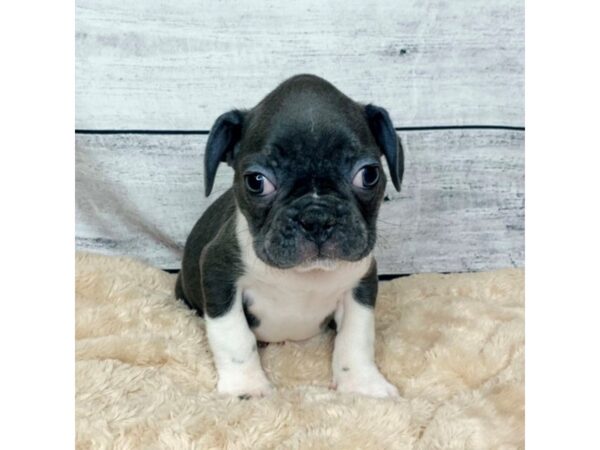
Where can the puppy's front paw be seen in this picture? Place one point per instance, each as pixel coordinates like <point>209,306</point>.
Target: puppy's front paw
<point>365,382</point>
<point>244,388</point>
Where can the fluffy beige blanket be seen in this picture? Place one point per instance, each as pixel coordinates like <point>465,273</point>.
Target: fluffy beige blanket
<point>453,344</point>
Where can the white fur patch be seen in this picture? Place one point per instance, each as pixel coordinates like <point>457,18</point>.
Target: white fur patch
<point>320,264</point>
<point>235,353</point>
<point>291,304</point>
<point>353,364</point>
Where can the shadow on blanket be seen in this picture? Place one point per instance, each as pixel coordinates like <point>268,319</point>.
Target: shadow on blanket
<point>453,344</point>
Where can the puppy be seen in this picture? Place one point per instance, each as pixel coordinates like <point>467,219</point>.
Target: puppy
<point>288,250</point>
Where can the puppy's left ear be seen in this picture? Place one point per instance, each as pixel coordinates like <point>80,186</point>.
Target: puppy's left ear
<point>222,139</point>
<point>388,141</point>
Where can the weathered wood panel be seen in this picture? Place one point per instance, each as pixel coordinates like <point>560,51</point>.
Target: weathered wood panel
<point>178,65</point>
<point>461,207</point>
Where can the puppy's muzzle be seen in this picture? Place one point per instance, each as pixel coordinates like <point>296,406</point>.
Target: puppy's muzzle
<point>316,223</point>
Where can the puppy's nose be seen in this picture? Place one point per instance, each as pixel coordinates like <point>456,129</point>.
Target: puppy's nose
<point>317,224</point>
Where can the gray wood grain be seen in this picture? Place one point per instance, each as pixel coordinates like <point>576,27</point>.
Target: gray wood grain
<point>178,65</point>
<point>460,209</point>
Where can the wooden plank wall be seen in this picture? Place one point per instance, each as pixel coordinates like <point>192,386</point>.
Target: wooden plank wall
<point>152,76</point>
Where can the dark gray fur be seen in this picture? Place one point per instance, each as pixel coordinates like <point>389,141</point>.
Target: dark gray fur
<point>211,263</point>
<point>329,323</point>
<point>252,320</point>
<point>366,291</point>
<point>305,136</point>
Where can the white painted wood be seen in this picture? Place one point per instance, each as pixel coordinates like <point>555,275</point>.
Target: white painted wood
<point>460,209</point>
<point>177,65</point>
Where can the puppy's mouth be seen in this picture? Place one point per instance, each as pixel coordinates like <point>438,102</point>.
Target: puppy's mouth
<point>310,257</point>
<point>323,264</point>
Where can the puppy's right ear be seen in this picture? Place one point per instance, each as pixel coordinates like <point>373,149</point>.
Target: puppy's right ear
<point>222,139</point>
<point>388,141</point>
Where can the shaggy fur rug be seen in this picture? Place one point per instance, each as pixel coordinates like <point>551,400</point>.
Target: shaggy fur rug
<point>452,344</point>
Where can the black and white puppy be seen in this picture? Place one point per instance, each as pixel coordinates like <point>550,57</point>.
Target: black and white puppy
<point>287,251</point>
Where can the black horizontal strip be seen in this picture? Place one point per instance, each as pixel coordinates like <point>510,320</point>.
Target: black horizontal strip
<point>205,132</point>
<point>201,132</point>
<point>462,127</point>
<point>383,277</point>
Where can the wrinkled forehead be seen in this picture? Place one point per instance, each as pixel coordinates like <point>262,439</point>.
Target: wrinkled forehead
<point>318,146</point>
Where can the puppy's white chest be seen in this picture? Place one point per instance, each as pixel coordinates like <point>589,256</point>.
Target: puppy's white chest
<point>290,313</point>
<point>291,305</point>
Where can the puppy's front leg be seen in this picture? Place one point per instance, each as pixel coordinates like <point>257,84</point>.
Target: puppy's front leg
<point>353,364</point>
<point>235,353</point>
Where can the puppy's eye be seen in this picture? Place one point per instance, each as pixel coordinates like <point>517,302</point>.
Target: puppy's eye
<point>258,184</point>
<point>367,177</point>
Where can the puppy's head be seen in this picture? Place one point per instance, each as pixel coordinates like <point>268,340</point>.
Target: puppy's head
<point>308,174</point>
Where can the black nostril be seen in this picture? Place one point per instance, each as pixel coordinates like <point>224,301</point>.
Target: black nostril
<point>308,225</point>
<point>317,227</point>
<point>328,223</point>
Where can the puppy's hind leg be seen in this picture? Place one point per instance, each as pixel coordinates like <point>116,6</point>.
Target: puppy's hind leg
<point>180,295</point>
